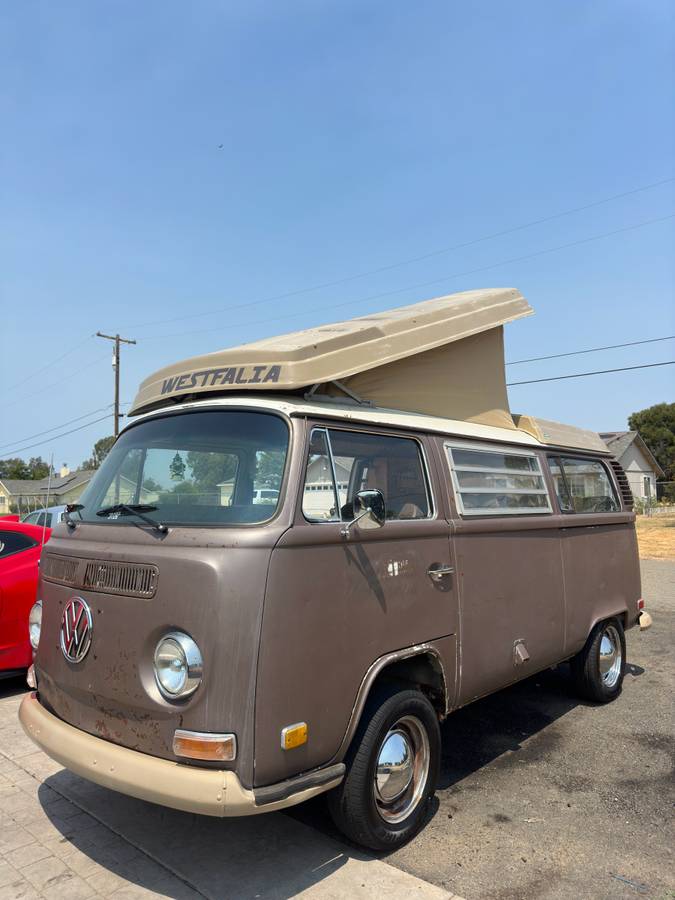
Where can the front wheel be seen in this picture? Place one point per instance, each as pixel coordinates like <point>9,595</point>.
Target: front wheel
<point>392,770</point>
<point>599,668</point>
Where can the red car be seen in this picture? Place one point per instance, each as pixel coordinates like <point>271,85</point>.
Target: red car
<point>20,548</point>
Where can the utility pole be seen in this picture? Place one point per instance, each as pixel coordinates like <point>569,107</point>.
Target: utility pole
<point>116,366</point>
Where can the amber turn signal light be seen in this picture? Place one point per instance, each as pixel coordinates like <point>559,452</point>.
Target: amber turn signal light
<point>204,745</point>
<point>293,735</point>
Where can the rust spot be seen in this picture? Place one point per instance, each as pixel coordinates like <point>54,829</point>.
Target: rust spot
<point>102,729</point>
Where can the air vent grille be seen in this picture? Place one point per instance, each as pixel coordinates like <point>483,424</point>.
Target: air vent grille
<point>59,568</point>
<point>120,578</point>
<point>101,575</point>
<point>624,486</point>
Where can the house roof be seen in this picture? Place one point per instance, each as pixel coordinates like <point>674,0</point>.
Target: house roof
<point>619,441</point>
<point>75,479</point>
<point>16,486</point>
<point>24,486</point>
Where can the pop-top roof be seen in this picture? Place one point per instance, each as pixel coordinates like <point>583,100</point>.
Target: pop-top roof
<point>339,351</point>
<point>441,358</point>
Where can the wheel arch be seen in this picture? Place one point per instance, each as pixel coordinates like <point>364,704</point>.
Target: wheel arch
<point>621,614</point>
<point>420,666</point>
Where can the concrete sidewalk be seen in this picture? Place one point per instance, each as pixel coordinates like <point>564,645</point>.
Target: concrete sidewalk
<point>62,837</point>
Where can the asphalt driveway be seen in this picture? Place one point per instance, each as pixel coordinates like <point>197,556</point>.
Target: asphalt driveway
<point>545,796</point>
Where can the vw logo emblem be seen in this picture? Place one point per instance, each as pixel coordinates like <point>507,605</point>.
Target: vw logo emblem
<point>76,628</point>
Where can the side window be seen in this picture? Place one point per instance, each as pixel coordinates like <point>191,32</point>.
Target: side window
<point>360,461</point>
<point>496,482</point>
<point>38,518</point>
<point>13,542</point>
<point>583,485</point>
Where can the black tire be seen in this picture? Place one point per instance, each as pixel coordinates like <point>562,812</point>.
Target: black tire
<point>589,680</point>
<point>353,805</point>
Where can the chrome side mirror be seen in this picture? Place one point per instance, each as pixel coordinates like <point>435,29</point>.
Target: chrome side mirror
<point>369,511</point>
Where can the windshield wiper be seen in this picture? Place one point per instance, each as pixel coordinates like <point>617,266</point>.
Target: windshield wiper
<point>72,507</point>
<point>135,509</point>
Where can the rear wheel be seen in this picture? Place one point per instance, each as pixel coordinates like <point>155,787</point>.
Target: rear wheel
<point>392,769</point>
<point>598,670</point>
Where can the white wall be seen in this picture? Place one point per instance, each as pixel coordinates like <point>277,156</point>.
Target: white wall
<point>637,468</point>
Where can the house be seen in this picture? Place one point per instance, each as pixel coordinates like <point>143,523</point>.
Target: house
<point>318,481</point>
<point>637,461</point>
<point>25,495</point>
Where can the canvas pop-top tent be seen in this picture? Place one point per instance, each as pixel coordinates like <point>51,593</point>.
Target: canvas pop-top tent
<point>442,357</point>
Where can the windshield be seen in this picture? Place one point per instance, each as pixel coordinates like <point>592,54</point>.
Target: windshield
<point>217,467</point>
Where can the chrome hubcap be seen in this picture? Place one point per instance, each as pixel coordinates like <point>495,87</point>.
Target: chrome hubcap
<point>402,769</point>
<point>394,766</point>
<point>610,656</point>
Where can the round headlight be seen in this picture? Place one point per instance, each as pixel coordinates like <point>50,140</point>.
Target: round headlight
<point>178,665</point>
<point>35,624</point>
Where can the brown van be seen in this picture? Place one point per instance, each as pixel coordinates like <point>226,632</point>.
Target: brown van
<point>304,553</point>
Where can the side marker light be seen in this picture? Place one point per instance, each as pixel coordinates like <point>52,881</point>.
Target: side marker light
<point>293,736</point>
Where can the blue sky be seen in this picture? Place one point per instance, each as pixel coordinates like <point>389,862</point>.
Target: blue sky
<point>166,160</point>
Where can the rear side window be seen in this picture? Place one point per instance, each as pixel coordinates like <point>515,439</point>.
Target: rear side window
<point>13,542</point>
<point>494,482</point>
<point>582,485</point>
<point>39,518</point>
<point>341,463</point>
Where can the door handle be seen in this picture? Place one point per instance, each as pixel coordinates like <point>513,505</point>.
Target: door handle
<point>437,572</point>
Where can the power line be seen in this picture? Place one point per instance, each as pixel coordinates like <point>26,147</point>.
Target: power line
<point>56,427</point>
<point>434,281</point>
<point>517,362</point>
<point>349,278</point>
<point>670,362</point>
<point>52,384</point>
<point>389,293</point>
<point>44,368</point>
<point>414,259</point>
<point>54,437</point>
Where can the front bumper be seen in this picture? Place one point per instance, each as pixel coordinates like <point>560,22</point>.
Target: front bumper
<point>211,792</point>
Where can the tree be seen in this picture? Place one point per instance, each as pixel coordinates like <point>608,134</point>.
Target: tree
<point>99,453</point>
<point>13,468</point>
<point>16,468</point>
<point>211,469</point>
<point>38,468</point>
<point>270,468</point>
<point>656,425</point>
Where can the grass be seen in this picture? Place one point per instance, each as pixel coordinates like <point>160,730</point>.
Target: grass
<point>656,537</point>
